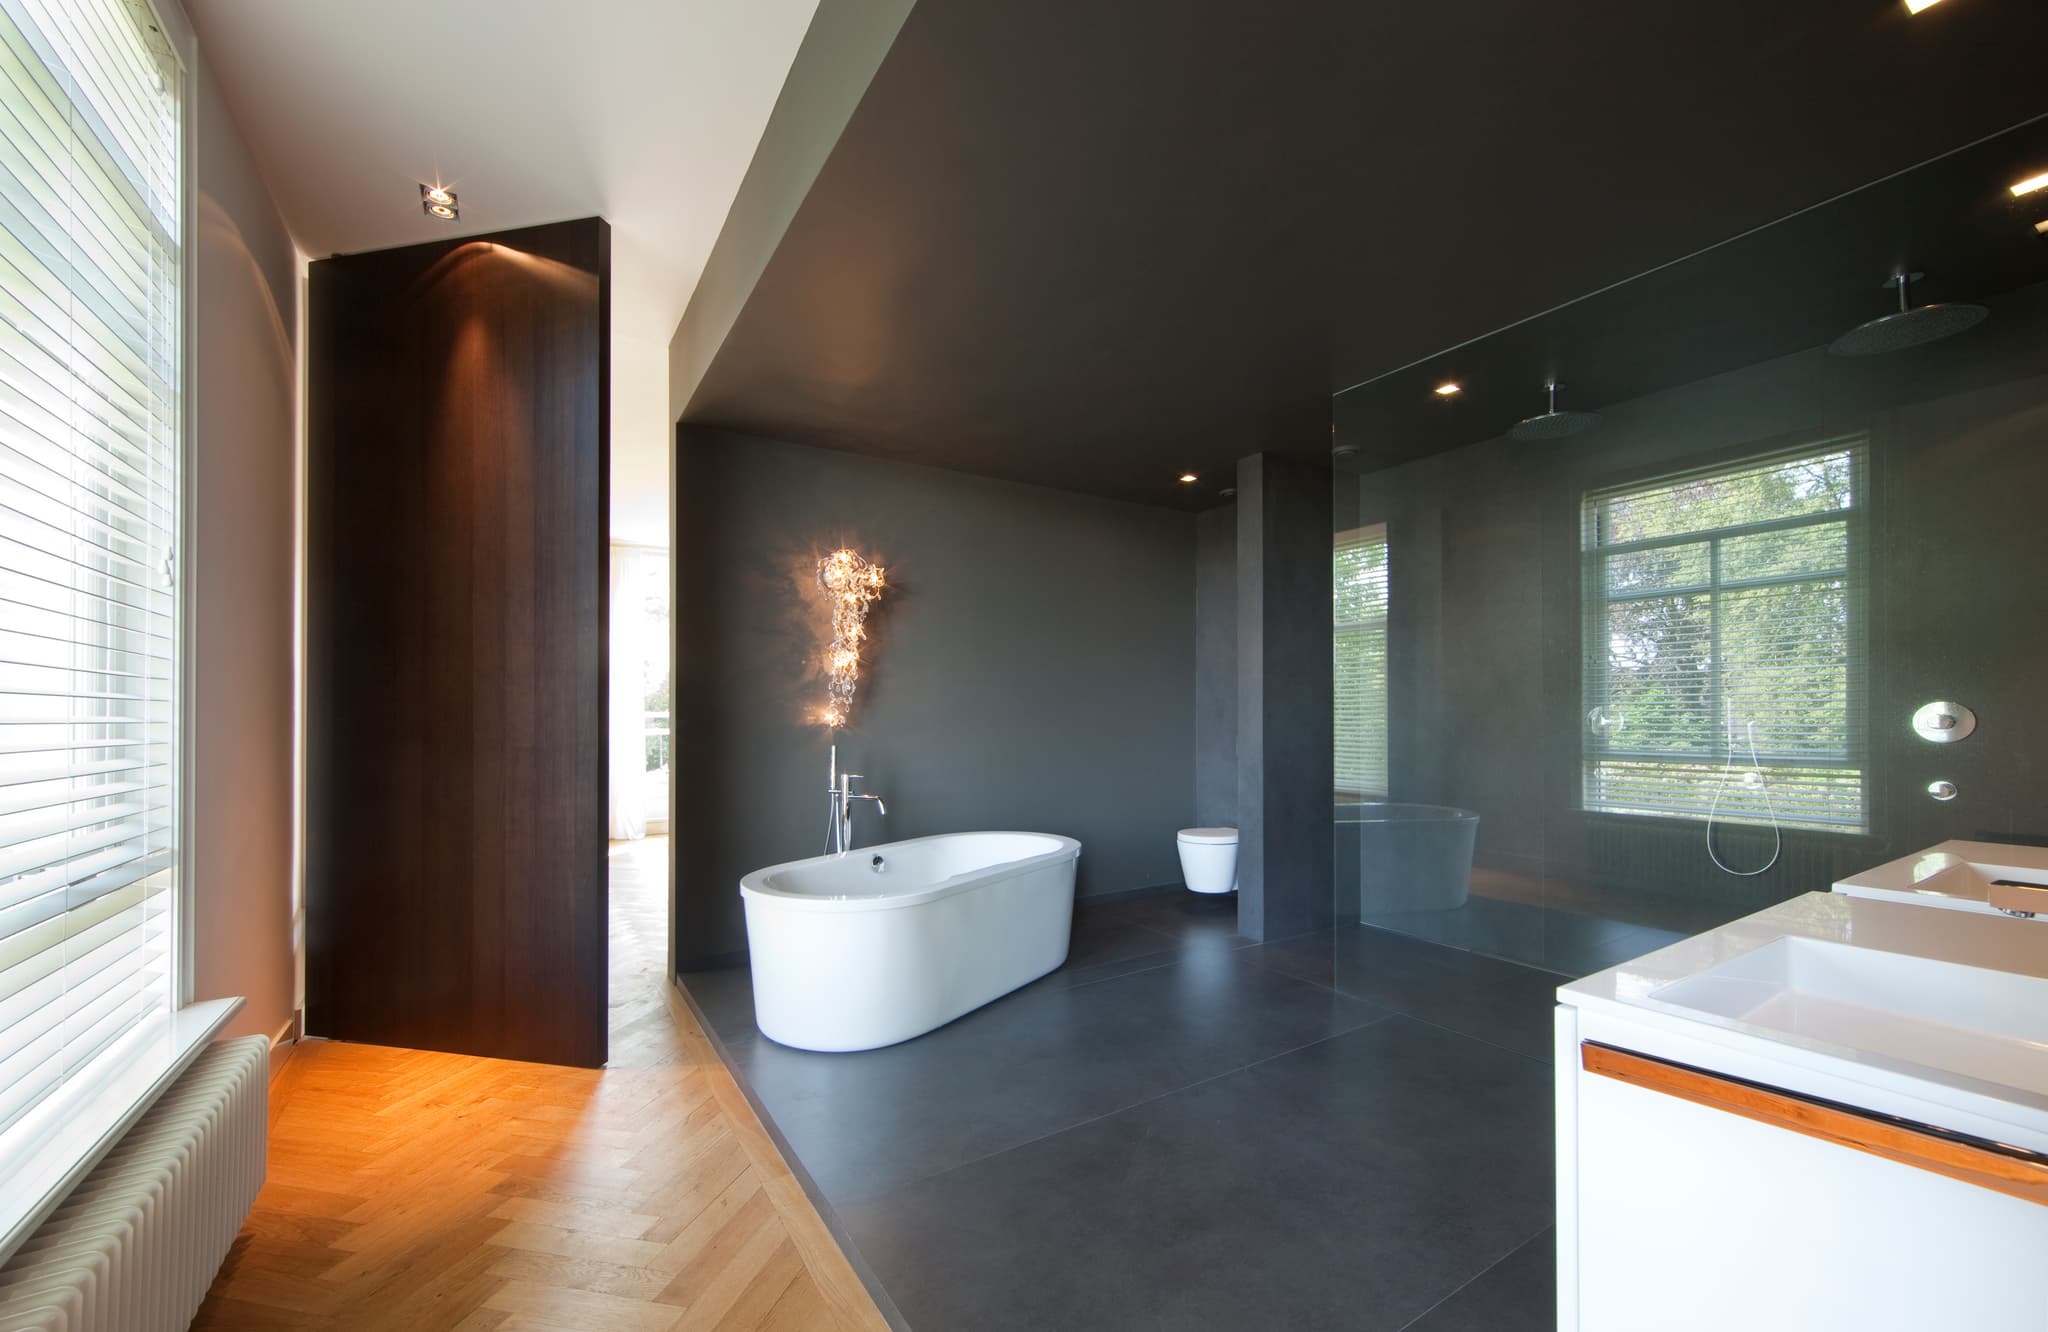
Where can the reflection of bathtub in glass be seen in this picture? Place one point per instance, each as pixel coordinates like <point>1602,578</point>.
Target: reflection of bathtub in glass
<point>1404,857</point>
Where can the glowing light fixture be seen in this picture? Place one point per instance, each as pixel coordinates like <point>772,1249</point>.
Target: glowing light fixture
<point>1915,6</point>
<point>852,585</point>
<point>1188,478</point>
<point>1449,390</point>
<point>439,201</point>
<point>2029,185</point>
<point>2041,227</point>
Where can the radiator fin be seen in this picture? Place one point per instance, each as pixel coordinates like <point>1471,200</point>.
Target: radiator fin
<point>136,1244</point>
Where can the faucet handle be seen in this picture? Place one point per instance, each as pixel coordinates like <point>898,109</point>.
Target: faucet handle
<point>846,781</point>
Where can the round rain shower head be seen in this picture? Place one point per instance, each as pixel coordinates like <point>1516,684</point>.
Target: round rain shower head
<point>1553,424</point>
<point>1909,326</point>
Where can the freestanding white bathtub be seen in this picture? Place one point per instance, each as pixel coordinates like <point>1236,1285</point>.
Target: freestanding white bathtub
<point>887,942</point>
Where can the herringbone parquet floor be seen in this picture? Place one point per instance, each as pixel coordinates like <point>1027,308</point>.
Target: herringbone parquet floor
<point>412,1190</point>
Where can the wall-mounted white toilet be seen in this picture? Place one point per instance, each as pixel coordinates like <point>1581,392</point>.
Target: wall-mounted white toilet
<point>1208,859</point>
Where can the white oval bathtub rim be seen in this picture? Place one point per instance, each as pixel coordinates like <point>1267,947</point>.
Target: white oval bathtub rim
<point>756,883</point>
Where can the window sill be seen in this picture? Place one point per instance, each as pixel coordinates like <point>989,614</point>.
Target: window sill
<point>61,1140</point>
<point>1682,822</point>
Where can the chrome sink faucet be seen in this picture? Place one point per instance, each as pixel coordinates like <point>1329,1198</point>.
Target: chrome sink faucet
<point>840,796</point>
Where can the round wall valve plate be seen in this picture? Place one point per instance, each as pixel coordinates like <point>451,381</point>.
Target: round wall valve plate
<point>1944,723</point>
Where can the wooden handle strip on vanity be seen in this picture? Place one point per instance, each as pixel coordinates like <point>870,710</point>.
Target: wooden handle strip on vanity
<point>1960,1156</point>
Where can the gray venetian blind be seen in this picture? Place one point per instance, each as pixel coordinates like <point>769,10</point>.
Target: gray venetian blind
<point>89,451</point>
<point>1727,606</point>
<point>1359,610</point>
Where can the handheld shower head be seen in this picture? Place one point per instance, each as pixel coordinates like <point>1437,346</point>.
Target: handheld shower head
<point>1908,326</point>
<point>1553,424</point>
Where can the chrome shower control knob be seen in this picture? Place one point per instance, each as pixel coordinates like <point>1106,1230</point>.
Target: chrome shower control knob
<point>1944,723</point>
<point>1942,790</point>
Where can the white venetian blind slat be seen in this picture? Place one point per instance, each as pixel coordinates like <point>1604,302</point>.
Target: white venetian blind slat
<point>90,301</point>
<point>1725,606</point>
<point>1359,612</point>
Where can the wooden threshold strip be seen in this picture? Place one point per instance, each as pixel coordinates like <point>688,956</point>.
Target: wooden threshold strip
<point>1999,1166</point>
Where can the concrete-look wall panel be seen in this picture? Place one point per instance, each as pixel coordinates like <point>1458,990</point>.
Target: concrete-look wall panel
<point>1285,723</point>
<point>1216,668</point>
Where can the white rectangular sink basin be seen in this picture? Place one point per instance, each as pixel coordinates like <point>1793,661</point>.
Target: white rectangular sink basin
<point>1939,1016</point>
<point>1988,877</point>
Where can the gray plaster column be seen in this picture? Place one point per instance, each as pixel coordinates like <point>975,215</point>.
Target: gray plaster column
<point>1284,700</point>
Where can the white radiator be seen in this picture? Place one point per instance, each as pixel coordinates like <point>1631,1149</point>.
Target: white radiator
<point>137,1242</point>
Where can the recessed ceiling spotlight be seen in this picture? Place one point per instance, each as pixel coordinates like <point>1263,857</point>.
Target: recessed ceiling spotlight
<point>1188,478</point>
<point>439,201</point>
<point>1448,389</point>
<point>2029,185</point>
<point>1915,6</point>
<point>2041,227</point>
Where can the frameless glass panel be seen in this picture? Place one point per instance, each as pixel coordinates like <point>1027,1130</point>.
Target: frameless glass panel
<point>1647,678</point>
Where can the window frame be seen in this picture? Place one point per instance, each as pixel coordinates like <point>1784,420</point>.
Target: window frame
<point>1595,601</point>
<point>184,43</point>
<point>97,1112</point>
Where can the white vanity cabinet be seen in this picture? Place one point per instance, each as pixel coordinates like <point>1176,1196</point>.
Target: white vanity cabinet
<point>1780,1160</point>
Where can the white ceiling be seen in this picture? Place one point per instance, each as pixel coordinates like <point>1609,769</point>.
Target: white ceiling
<point>645,112</point>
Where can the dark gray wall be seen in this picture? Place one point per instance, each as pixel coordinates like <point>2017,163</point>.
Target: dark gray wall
<point>1216,668</point>
<point>1030,667</point>
<point>1485,707</point>
<point>1285,726</point>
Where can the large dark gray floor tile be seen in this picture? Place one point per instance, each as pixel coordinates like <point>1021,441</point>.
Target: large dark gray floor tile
<point>726,998</point>
<point>1109,939</point>
<point>1571,942</point>
<point>1517,1294</point>
<point>1482,997</point>
<point>1185,916</point>
<point>1582,955</point>
<point>1352,1184</point>
<point>1032,1064</point>
<point>1103,945</point>
<point>1510,930</point>
<point>1118,938</point>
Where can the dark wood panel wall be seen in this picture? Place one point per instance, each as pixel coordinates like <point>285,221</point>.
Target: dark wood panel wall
<point>457,548</point>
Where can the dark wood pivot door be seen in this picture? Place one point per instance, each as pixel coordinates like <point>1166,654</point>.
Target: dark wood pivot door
<point>457,563</point>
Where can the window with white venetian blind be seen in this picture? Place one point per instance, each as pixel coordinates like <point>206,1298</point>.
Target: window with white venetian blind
<point>89,460</point>
<point>1725,643</point>
<point>1359,610</point>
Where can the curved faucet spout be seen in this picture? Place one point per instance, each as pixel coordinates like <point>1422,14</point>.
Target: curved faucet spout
<point>839,838</point>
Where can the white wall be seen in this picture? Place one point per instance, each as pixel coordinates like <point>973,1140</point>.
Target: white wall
<point>243,561</point>
<point>243,579</point>
<point>640,440</point>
